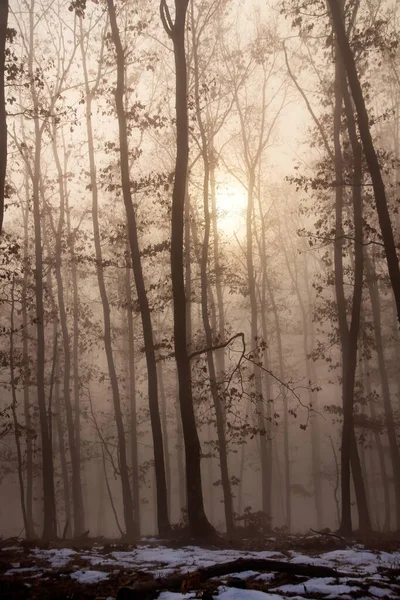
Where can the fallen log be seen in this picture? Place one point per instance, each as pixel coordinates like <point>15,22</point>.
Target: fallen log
<point>193,580</point>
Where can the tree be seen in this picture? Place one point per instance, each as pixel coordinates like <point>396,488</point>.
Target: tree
<point>369,149</point>
<point>198,522</point>
<point>162,501</point>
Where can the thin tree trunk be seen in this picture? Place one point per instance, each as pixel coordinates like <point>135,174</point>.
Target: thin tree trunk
<point>265,492</point>
<point>30,534</point>
<point>217,400</point>
<point>75,344</point>
<point>49,503</point>
<point>15,418</point>
<point>162,502</point>
<point>62,453</point>
<point>313,399</point>
<point>164,424</point>
<point>126,491</point>
<point>132,403</point>
<point>77,498</point>
<point>288,504</point>
<point>220,354</point>
<point>179,459</point>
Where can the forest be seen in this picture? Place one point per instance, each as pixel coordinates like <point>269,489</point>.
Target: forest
<point>200,284</point>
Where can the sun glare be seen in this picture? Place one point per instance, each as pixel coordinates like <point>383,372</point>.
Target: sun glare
<point>231,206</point>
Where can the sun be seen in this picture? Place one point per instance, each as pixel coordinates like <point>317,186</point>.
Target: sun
<point>231,202</point>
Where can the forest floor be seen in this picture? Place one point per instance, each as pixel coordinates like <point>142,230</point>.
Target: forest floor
<point>103,569</point>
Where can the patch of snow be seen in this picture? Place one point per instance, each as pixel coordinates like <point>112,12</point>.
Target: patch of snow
<point>243,574</point>
<point>83,576</point>
<point>12,548</point>
<point>15,571</point>
<point>57,558</point>
<point>321,585</point>
<point>379,592</point>
<point>175,596</point>
<point>265,576</point>
<point>236,594</point>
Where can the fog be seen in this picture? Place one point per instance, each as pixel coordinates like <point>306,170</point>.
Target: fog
<point>200,286</point>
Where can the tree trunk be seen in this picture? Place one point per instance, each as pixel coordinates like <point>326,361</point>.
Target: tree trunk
<point>62,453</point>
<point>162,503</point>
<point>132,403</point>
<point>164,425</point>
<point>75,345</point>
<point>379,448</point>
<point>30,534</point>
<point>15,418</point>
<point>198,522</point>
<point>387,404</point>
<point>313,399</point>
<point>288,504</point>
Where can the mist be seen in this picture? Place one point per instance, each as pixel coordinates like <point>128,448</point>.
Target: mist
<point>200,286</point>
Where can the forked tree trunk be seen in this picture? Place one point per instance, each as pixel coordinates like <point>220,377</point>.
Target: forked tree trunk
<point>198,522</point>
<point>162,501</point>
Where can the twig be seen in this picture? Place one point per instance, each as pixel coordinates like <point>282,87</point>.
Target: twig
<point>217,347</point>
<point>329,534</point>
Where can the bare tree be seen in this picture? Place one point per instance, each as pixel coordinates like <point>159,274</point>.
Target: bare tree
<point>198,522</point>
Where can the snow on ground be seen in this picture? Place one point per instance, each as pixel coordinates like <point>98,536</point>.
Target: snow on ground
<point>367,574</point>
<point>89,576</point>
